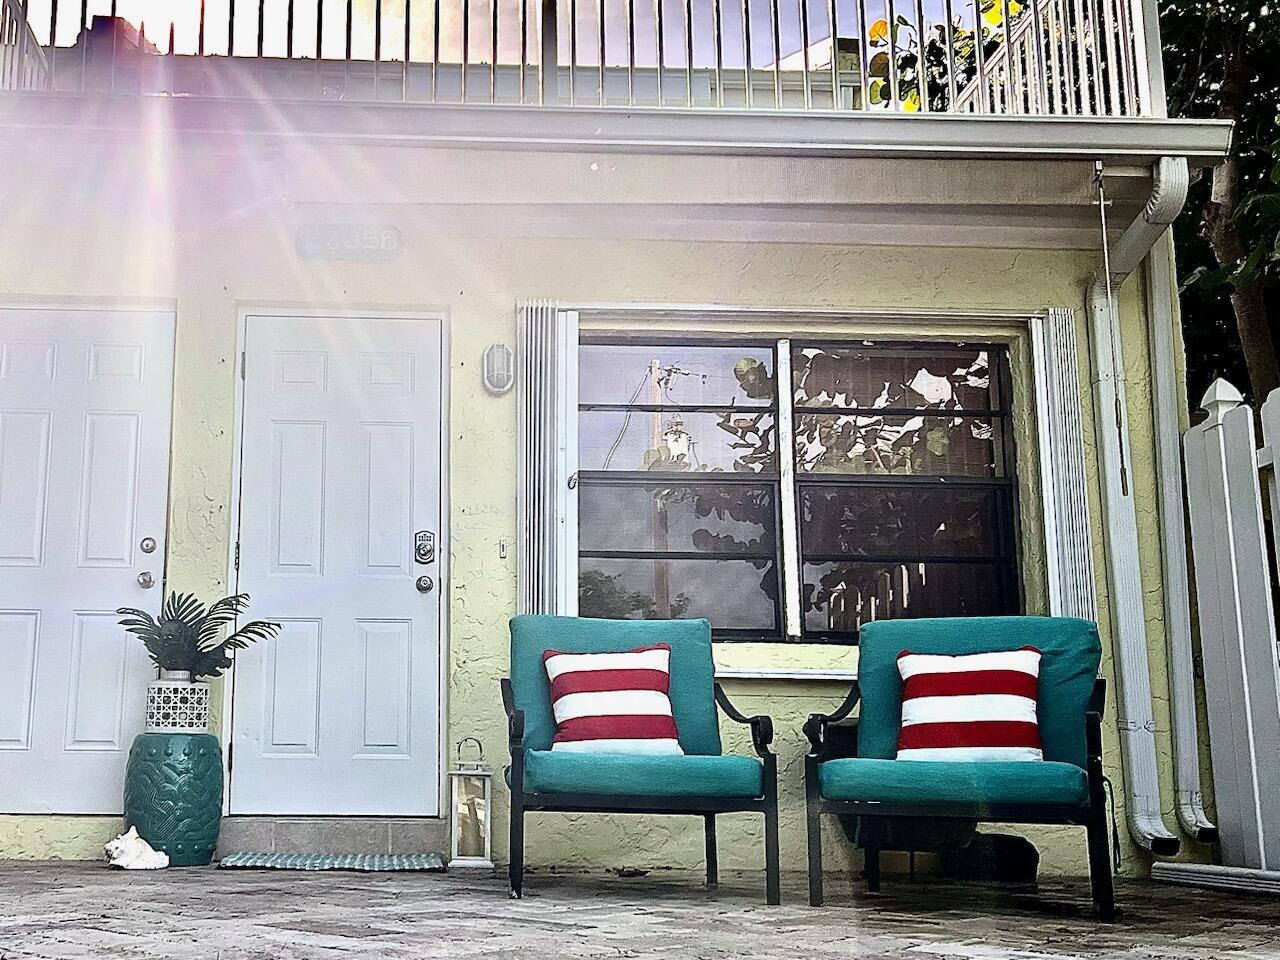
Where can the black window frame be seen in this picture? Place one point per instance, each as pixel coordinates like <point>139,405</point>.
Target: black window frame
<point>1008,555</point>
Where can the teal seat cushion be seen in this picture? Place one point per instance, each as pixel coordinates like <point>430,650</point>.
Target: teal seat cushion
<point>692,670</point>
<point>930,781</point>
<point>1069,665</point>
<point>623,775</point>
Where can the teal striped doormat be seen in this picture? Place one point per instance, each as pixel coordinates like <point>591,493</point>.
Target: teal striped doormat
<point>368,862</point>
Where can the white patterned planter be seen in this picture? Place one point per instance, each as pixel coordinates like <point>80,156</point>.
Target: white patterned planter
<point>177,704</point>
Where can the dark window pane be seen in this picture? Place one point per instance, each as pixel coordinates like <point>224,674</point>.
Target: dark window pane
<point>732,594</point>
<point>846,519</point>
<point>742,442</point>
<point>695,518</point>
<point>946,379</point>
<point>908,446</point>
<point>840,597</point>
<point>675,374</point>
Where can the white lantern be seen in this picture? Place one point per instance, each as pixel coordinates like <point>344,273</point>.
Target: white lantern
<point>471,788</point>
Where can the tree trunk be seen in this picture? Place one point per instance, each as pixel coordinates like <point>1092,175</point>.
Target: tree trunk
<point>1248,300</point>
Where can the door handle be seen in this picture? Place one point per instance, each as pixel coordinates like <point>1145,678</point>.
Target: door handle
<point>145,580</point>
<point>424,584</point>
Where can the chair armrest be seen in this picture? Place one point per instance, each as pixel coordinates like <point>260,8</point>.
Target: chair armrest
<point>815,728</point>
<point>1093,720</point>
<point>515,717</point>
<point>761,726</point>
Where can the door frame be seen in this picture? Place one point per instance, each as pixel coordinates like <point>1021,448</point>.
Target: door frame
<point>116,305</point>
<point>243,312</point>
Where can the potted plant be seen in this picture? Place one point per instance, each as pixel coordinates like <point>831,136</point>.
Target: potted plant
<point>186,643</point>
<point>173,785</point>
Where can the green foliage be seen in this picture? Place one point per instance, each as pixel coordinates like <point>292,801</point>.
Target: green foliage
<point>1222,59</point>
<point>600,595</point>
<point>190,637</point>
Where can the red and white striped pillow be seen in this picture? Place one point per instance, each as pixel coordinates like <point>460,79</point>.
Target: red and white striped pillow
<point>976,707</point>
<point>613,702</point>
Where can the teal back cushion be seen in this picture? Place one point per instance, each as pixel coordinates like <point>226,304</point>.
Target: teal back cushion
<point>692,670</point>
<point>1071,652</point>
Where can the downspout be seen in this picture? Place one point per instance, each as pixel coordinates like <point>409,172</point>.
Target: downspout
<point>1135,719</point>
<point>1166,403</point>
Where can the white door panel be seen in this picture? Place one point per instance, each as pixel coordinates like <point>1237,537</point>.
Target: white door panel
<point>340,467</point>
<point>85,402</point>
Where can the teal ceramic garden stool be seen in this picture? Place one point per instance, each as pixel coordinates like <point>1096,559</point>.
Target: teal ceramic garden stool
<point>173,794</point>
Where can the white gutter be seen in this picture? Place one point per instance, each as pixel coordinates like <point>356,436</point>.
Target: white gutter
<point>1135,720</point>
<point>1166,402</point>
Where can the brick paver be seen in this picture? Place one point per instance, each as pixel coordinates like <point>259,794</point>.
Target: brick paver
<point>66,910</point>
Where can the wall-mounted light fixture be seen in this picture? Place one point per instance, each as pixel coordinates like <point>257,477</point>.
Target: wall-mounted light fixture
<point>498,368</point>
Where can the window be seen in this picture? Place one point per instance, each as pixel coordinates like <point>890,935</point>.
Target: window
<point>901,474</point>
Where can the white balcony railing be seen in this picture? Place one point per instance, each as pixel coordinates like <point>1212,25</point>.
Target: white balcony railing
<point>1073,57</point>
<point>22,61</point>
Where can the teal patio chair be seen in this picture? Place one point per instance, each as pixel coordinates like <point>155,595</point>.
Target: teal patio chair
<point>1065,788</point>
<point>703,782</point>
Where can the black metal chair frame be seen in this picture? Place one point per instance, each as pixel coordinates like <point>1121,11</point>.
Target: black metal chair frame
<point>871,828</point>
<point>706,807</point>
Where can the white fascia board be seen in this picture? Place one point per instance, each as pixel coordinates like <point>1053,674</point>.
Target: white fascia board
<point>1116,140</point>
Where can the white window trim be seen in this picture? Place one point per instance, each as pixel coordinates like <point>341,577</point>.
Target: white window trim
<point>548,349</point>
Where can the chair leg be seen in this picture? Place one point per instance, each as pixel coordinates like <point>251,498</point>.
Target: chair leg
<point>713,868</point>
<point>773,881</point>
<point>813,815</point>
<point>1100,880</point>
<point>515,853</point>
<point>872,829</point>
<point>815,856</point>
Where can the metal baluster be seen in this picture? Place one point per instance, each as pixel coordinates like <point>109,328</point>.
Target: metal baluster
<point>524,45</point>
<point>864,44</point>
<point>1128,37</point>
<point>493,46</point>
<point>1055,77</point>
<point>835,54</point>
<point>435,52</point>
<point>573,51</point>
<point>83,41</point>
<point>717,28</point>
<point>377,46</point>
<point>549,79</point>
<point>53,44</point>
<point>1111,65</point>
<point>288,32</point>
<point>319,34</point>
<point>346,63</point>
<point>804,43</point>
<point>466,45</point>
<point>408,18</point>
<point>1006,24</point>
<point>631,52</point>
<point>1037,59</point>
<point>775,26</point>
<point>688,55</point>
<point>891,13</point>
<point>661,44</point>
<point>746,50</point>
<point>1082,59</point>
<point>922,72</point>
<point>600,15</point>
<point>979,62</point>
<point>231,32</point>
<point>950,35</point>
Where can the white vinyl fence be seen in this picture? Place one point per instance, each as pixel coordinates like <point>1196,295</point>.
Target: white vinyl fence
<point>1227,472</point>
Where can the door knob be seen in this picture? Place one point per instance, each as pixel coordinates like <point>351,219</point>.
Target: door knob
<point>145,580</point>
<point>424,584</point>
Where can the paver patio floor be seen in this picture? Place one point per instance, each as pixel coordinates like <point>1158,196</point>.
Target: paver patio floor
<point>86,910</point>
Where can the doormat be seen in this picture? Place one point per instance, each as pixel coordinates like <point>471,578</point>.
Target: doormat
<point>367,862</point>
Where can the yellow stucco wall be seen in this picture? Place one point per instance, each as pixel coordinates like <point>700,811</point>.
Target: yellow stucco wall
<point>211,263</point>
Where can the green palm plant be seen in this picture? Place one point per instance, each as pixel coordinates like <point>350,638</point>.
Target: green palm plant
<point>188,636</point>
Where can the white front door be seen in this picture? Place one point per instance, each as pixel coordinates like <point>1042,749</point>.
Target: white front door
<point>340,470</point>
<point>84,465</point>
